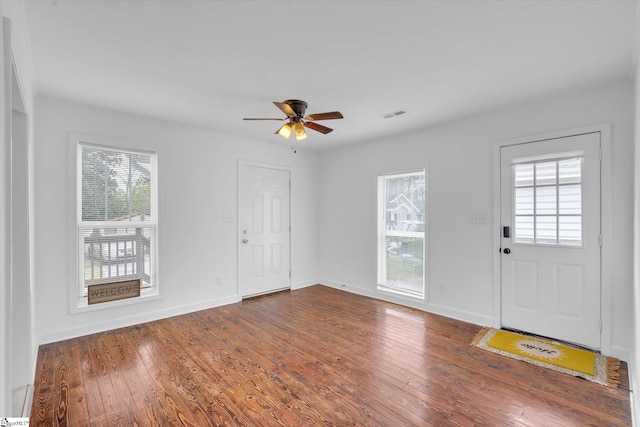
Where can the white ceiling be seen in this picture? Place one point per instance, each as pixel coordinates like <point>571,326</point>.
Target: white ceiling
<point>211,63</point>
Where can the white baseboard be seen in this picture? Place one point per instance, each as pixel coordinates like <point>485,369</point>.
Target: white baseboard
<point>621,353</point>
<point>21,399</point>
<point>148,317</point>
<point>135,320</point>
<point>304,284</point>
<point>635,410</point>
<point>635,402</point>
<point>348,288</point>
<point>461,315</point>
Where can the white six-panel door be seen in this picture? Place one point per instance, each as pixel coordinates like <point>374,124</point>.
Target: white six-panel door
<point>264,229</point>
<point>550,253</point>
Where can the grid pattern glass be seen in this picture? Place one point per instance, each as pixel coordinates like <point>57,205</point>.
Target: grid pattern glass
<point>548,202</point>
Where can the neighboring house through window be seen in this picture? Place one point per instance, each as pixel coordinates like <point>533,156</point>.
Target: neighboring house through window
<point>401,237</point>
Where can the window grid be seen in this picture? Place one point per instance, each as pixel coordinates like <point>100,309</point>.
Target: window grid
<point>533,211</point>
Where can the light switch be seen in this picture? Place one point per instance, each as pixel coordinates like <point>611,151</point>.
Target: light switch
<point>478,219</point>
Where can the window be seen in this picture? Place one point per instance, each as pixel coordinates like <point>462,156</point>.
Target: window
<point>117,228</point>
<point>401,237</point>
<point>548,202</point>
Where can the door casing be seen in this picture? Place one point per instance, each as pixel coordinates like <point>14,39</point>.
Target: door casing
<point>605,218</point>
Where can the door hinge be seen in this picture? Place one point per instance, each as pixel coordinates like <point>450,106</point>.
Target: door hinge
<point>601,154</point>
<point>600,240</point>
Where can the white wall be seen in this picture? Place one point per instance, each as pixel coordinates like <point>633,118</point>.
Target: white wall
<point>17,347</point>
<point>21,48</point>
<point>458,157</point>
<point>21,345</point>
<point>197,174</point>
<point>5,217</point>
<point>634,363</point>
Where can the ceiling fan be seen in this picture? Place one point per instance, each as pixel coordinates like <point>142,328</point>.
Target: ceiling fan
<point>297,121</point>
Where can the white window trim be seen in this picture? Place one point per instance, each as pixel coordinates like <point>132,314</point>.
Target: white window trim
<point>75,245</point>
<point>381,233</point>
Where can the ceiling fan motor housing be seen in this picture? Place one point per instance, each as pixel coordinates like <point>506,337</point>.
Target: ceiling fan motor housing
<point>299,107</point>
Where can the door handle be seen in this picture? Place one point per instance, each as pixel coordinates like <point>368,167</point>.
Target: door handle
<point>506,251</point>
<point>245,241</point>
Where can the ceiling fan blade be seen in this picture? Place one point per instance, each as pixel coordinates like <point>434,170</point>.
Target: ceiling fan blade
<point>286,108</point>
<point>317,127</point>
<point>261,118</point>
<point>325,116</point>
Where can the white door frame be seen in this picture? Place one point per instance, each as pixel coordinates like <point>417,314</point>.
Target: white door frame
<point>17,349</point>
<point>238,228</point>
<point>5,216</point>
<point>605,219</point>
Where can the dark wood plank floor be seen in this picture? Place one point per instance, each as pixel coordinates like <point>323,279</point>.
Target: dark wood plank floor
<point>315,356</point>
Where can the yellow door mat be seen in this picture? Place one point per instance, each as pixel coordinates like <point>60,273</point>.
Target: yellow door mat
<point>565,358</point>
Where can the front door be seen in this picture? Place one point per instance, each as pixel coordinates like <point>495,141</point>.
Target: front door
<point>263,229</point>
<point>550,244</point>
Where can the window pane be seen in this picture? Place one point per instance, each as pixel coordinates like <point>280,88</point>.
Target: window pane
<point>570,171</point>
<point>546,201</point>
<point>112,254</point>
<point>546,230</point>
<point>523,175</point>
<point>570,199</point>
<point>405,264</point>
<point>570,229</point>
<point>524,201</point>
<point>115,185</point>
<point>402,233</point>
<point>404,196</point>
<point>524,229</point>
<point>546,173</point>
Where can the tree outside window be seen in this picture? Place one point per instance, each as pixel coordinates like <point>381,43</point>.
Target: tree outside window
<point>117,225</point>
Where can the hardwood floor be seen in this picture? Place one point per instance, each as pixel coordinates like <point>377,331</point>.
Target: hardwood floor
<point>315,356</point>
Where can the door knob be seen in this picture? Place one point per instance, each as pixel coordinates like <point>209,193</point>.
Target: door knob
<point>507,251</point>
<point>245,241</point>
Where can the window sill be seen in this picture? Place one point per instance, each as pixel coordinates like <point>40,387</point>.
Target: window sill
<point>86,308</point>
<point>397,292</point>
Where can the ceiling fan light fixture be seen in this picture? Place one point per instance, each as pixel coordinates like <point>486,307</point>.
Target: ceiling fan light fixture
<point>296,121</point>
<point>299,132</point>
<point>285,131</point>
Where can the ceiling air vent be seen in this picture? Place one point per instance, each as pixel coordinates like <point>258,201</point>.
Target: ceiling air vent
<point>394,114</point>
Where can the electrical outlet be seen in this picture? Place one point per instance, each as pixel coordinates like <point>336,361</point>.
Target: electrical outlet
<point>227,218</point>
<point>442,289</point>
<point>218,281</point>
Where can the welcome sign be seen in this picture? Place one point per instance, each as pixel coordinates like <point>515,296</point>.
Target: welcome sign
<point>113,291</point>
